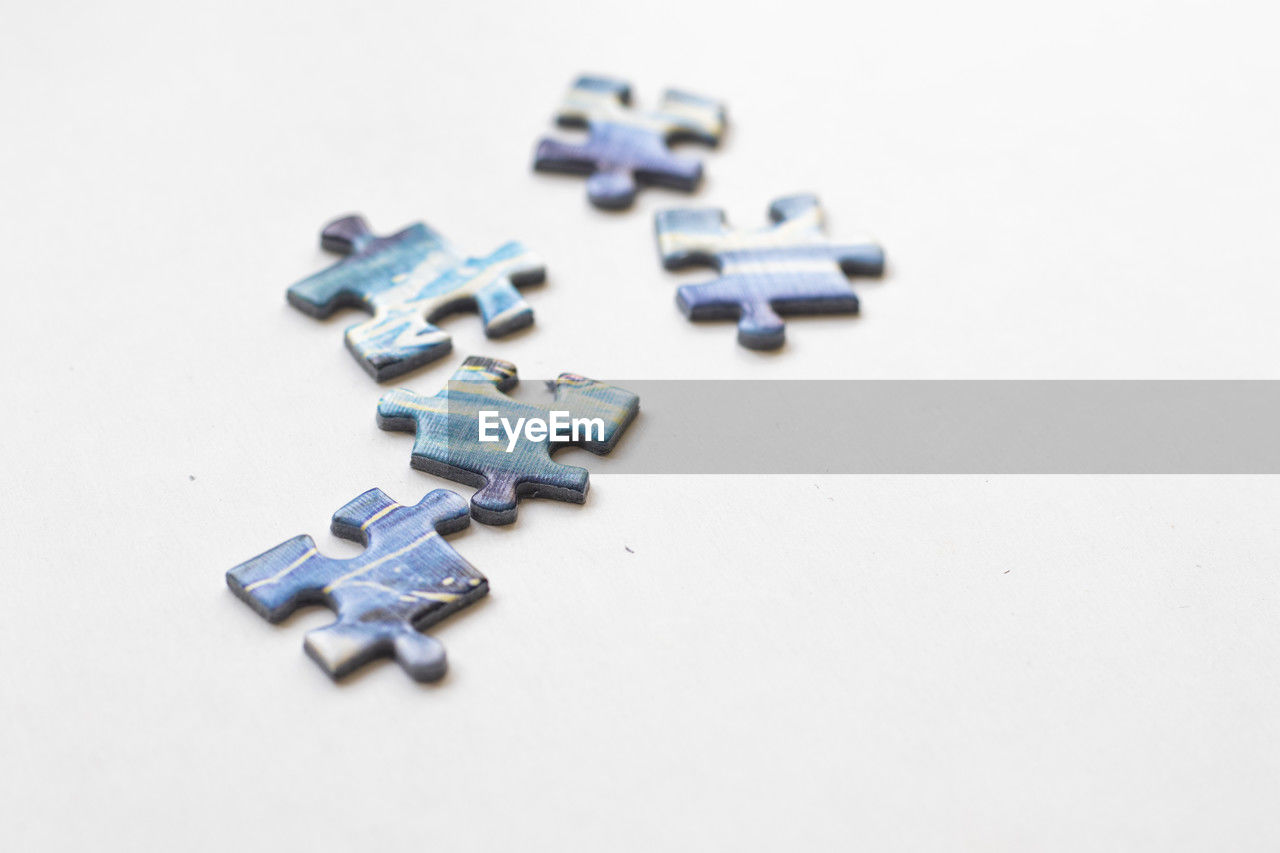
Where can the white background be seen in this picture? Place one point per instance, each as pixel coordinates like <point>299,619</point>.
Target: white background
<point>1080,191</point>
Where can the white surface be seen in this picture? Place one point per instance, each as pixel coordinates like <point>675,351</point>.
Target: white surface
<point>782,663</point>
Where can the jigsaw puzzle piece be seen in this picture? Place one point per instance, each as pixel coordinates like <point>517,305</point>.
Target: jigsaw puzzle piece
<point>592,415</point>
<point>407,579</point>
<point>408,281</point>
<point>787,268</point>
<point>371,265</point>
<point>626,148</point>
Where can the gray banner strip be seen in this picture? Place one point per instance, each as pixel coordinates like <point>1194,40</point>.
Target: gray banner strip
<point>947,427</point>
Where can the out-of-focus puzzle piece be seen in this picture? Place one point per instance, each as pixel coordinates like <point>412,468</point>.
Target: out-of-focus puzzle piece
<point>790,267</point>
<point>407,282</point>
<point>625,146</point>
<point>407,579</point>
<point>448,434</point>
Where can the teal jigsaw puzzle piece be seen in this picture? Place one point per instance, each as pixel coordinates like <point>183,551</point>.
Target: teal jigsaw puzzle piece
<point>586,414</point>
<point>788,268</point>
<point>408,281</point>
<point>407,579</point>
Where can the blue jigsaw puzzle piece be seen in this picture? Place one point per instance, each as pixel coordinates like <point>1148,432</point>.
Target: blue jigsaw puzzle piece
<point>448,441</point>
<point>407,282</point>
<point>407,579</point>
<point>627,147</point>
<point>788,268</point>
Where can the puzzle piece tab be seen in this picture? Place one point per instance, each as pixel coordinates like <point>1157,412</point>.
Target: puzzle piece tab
<point>407,282</point>
<point>448,437</point>
<point>626,147</point>
<point>788,268</point>
<point>407,579</point>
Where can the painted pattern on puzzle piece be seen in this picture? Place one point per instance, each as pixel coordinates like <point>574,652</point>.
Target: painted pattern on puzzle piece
<point>789,267</point>
<point>407,579</point>
<point>407,282</point>
<point>447,435</point>
<point>626,147</point>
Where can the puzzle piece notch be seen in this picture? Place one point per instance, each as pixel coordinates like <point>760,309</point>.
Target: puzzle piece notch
<point>407,579</point>
<point>788,268</point>
<point>447,435</point>
<point>626,147</point>
<point>408,282</point>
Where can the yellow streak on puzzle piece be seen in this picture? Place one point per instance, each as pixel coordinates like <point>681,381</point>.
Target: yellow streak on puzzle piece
<point>378,515</point>
<point>278,575</point>
<point>443,597</point>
